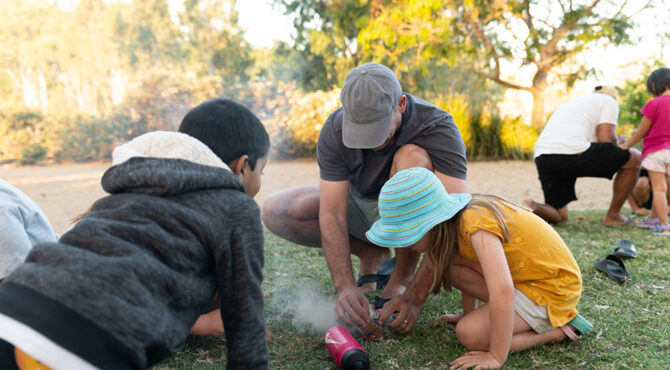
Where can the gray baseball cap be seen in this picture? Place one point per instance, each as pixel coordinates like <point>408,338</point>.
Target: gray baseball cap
<point>370,94</point>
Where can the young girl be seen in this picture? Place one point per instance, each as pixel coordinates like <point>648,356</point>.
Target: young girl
<point>493,251</point>
<point>655,129</point>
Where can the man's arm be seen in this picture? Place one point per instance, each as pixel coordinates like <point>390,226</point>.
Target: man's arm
<point>605,132</point>
<point>352,306</point>
<point>451,184</point>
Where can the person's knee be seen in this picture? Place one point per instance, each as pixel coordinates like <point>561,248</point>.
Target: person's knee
<point>471,335</point>
<point>634,160</point>
<point>276,210</point>
<point>269,210</point>
<point>411,155</point>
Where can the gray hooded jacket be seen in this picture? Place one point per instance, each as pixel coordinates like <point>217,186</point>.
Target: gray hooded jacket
<point>137,270</point>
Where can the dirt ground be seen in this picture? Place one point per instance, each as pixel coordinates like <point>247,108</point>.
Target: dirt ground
<point>66,190</point>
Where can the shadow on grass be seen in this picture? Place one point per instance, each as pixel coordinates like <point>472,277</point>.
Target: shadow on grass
<point>632,326</point>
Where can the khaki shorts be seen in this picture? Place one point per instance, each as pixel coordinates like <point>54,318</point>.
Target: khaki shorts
<point>533,314</point>
<point>361,214</point>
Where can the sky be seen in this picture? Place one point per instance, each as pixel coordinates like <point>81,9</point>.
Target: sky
<point>263,24</point>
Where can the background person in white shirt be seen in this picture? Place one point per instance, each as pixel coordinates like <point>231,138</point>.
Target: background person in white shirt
<point>579,140</point>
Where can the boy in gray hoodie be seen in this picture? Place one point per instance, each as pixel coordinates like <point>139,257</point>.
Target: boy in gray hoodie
<point>123,286</point>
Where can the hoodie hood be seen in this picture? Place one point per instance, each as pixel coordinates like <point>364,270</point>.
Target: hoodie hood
<point>167,144</point>
<point>166,163</point>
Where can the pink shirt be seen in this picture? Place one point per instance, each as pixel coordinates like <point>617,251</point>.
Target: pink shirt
<point>657,110</point>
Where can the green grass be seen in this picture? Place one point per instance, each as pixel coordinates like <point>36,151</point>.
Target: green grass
<point>632,320</point>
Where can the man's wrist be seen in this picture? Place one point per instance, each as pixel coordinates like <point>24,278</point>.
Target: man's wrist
<point>342,286</point>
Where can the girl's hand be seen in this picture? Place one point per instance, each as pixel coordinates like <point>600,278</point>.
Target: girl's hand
<point>477,360</point>
<point>451,318</point>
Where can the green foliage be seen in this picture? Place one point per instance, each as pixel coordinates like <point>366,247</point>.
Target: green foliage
<point>85,138</point>
<point>295,134</point>
<point>632,97</point>
<point>32,154</point>
<point>326,33</point>
<point>494,137</point>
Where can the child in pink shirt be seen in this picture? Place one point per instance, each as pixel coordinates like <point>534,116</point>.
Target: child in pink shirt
<point>655,128</point>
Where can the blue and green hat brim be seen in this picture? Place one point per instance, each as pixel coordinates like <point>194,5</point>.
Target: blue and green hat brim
<point>381,236</point>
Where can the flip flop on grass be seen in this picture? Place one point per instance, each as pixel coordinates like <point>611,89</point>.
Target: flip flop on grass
<point>625,249</point>
<point>614,268</point>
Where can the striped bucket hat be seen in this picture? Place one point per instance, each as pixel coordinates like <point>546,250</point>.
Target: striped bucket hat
<point>411,203</point>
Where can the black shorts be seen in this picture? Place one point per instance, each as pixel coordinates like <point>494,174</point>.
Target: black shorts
<point>558,172</point>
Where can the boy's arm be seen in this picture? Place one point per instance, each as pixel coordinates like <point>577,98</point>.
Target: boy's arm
<point>641,132</point>
<point>239,267</point>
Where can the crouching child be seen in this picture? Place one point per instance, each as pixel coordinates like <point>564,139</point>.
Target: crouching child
<point>122,288</point>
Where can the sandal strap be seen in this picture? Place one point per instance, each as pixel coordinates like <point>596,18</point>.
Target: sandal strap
<point>569,332</point>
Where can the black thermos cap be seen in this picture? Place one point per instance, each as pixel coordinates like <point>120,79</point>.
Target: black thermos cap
<point>355,359</point>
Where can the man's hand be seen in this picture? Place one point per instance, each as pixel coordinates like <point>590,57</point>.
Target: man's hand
<point>352,308</point>
<point>476,360</point>
<point>408,311</point>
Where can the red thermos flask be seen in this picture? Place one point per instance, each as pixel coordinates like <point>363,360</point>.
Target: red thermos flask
<point>345,350</point>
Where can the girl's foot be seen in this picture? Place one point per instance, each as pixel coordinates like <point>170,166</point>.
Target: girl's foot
<point>662,230</point>
<point>648,223</point>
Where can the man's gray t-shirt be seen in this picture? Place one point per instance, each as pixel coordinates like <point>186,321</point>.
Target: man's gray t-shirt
<point>423,124</point>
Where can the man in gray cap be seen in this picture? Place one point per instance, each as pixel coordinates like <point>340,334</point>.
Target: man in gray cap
<point>378,131</point>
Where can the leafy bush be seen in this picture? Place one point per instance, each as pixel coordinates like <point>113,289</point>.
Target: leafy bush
<point>294,134</point>
<point>494,137</point>
<point>84,138</point>
<point>457,106</point>
<point>32,154</point>
<point>19,130</point>
<point>518,139</point>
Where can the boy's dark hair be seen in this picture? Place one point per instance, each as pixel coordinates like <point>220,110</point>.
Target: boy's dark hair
<point>658,81</point>
<point>228,129</point>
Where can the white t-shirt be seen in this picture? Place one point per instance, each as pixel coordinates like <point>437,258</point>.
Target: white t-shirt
<point>572,127</point>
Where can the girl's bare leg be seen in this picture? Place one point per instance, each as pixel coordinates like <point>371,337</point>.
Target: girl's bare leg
<point>474,332</point>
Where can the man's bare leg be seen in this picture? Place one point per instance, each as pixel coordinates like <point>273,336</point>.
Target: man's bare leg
<point>548,213</point>
<point>623,185</point>
<point>293,214</point>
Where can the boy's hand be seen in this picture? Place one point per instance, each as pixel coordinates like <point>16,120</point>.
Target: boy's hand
<point>352,308</point>
<point>476,360</point>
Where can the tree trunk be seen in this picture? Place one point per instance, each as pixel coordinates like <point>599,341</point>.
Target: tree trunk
<point>538,91</point>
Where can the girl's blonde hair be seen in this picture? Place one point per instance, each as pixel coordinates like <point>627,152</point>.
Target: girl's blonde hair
<point>443,238</point>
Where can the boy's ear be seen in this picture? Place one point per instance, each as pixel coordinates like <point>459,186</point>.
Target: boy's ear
<point>239,165</point>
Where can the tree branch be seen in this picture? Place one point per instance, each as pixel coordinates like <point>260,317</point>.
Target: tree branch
<point>502,82</point>
<point>473,22</point>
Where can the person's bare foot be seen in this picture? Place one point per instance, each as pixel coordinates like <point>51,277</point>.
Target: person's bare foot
<point>641,212</point>
<point>531,204</point>
<point>618,220</point>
